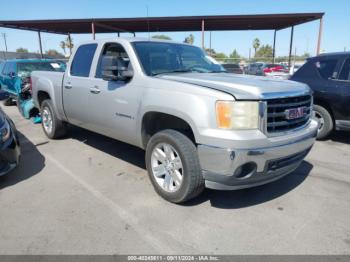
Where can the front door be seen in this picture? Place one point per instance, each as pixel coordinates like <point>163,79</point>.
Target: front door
<point>114,103</point>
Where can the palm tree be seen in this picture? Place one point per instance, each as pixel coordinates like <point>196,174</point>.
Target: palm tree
<point>63,46</point>
<point>256,45</point>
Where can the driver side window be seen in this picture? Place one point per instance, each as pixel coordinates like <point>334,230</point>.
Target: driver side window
<point>115,52</point>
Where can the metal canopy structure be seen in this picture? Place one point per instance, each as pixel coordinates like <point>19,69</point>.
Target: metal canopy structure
<point>168,24</point>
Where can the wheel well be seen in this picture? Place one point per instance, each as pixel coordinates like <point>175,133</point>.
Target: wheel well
<point>153,122</point>
<point>42,95</point>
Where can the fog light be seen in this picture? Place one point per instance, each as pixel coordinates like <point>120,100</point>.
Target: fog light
<point>245,171</point>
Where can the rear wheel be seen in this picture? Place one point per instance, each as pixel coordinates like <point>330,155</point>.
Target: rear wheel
<point>325,121</point>
<point>52,126</point>
<point>173,166</point>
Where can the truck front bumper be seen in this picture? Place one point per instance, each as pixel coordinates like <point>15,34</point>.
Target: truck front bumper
<point>237,168</point>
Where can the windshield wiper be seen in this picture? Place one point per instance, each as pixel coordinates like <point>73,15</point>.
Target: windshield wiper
<point>174,71</point>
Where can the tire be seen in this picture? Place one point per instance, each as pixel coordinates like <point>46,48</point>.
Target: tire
<point>52,126</point>
<point>326,122</point>
<point>192,182</point>
<point>8,102</point>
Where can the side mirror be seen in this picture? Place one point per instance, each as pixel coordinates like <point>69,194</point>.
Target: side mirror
<point>114,69</point>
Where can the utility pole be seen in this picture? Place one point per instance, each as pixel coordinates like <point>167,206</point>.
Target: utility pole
<point>4,36</point>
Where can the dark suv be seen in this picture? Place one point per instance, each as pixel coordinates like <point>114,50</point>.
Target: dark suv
<point>328,75</point>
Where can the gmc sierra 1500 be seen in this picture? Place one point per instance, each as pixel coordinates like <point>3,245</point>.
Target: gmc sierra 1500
<point>199,125</point>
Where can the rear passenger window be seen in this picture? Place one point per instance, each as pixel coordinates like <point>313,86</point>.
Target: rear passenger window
<point>345,71</point>
<point>82,60</point>
<point>326,67</point>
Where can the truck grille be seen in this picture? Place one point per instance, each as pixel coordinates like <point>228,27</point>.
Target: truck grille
<point>278,118</point>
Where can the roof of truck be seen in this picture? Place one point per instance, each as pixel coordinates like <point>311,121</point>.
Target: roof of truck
<point>131,39</point>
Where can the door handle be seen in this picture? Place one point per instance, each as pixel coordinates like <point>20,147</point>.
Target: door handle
<point>68,86</point>
<point>94,90</point>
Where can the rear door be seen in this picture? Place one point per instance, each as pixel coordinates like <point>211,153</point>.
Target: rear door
<point>76,85</point>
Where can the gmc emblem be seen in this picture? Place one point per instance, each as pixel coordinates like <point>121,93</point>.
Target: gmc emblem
<point>295,113</point>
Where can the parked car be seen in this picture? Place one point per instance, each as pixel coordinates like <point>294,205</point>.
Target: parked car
<point>328,75</point>
<point>253,69</point>
<point>199,125</point>
<point>269,70</point>
<point>15,81</point>
<point>9,144</point>
<point>233,68</point>
<point>294,68</point>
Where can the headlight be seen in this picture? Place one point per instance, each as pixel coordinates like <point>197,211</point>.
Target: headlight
<point>237,114</point>
<point>5,131</point>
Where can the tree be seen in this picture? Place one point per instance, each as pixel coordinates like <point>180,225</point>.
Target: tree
<point>189,39</point>
<point>306,55</point>
<point>235,54</point>
<point>53,53</point>
<point>220,56</point>
<point>265,51</point>
<point>63,46</point>
<point>164,37</point>
<point>22,50</point>
<point>256,45</point>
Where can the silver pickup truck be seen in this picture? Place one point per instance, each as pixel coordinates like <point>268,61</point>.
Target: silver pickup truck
<point>200,126</point>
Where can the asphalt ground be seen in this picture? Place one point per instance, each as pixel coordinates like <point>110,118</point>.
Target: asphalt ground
<point>88,194</point>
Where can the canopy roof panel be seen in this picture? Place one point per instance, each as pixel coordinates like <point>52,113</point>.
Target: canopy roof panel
<point>165,24</point>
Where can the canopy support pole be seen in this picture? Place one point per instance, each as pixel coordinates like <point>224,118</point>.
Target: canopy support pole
<point>291,46</point>
<point>318,51</point>
<point>93,30</point>
<point>70,44</point>
<point>203,34</point>
<point>40,45</point>
<point>274,47</point>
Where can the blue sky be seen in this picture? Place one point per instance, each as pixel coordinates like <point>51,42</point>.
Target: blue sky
<point>336,34</point>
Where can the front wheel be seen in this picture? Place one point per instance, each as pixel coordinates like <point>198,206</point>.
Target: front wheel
<point>52,126</point>
<point>173,166</point>
<point>325,121</point>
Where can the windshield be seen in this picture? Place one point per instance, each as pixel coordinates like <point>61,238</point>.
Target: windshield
<point>158,58</point>
<point>28,67</point>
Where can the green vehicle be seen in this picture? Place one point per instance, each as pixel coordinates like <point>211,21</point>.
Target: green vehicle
<point>15,81</point>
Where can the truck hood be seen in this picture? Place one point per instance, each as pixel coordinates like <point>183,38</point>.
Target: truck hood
<point>242,87</point>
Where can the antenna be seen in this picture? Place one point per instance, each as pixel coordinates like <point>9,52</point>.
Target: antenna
<point>149,36</point>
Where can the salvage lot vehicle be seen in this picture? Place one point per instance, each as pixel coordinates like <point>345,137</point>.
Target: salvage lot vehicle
<point>9,144</point>
<point>199,125</point>
<point>15,80</point>
<point>328,75</point>
<point>269,70</point>
<point>233,68</point>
